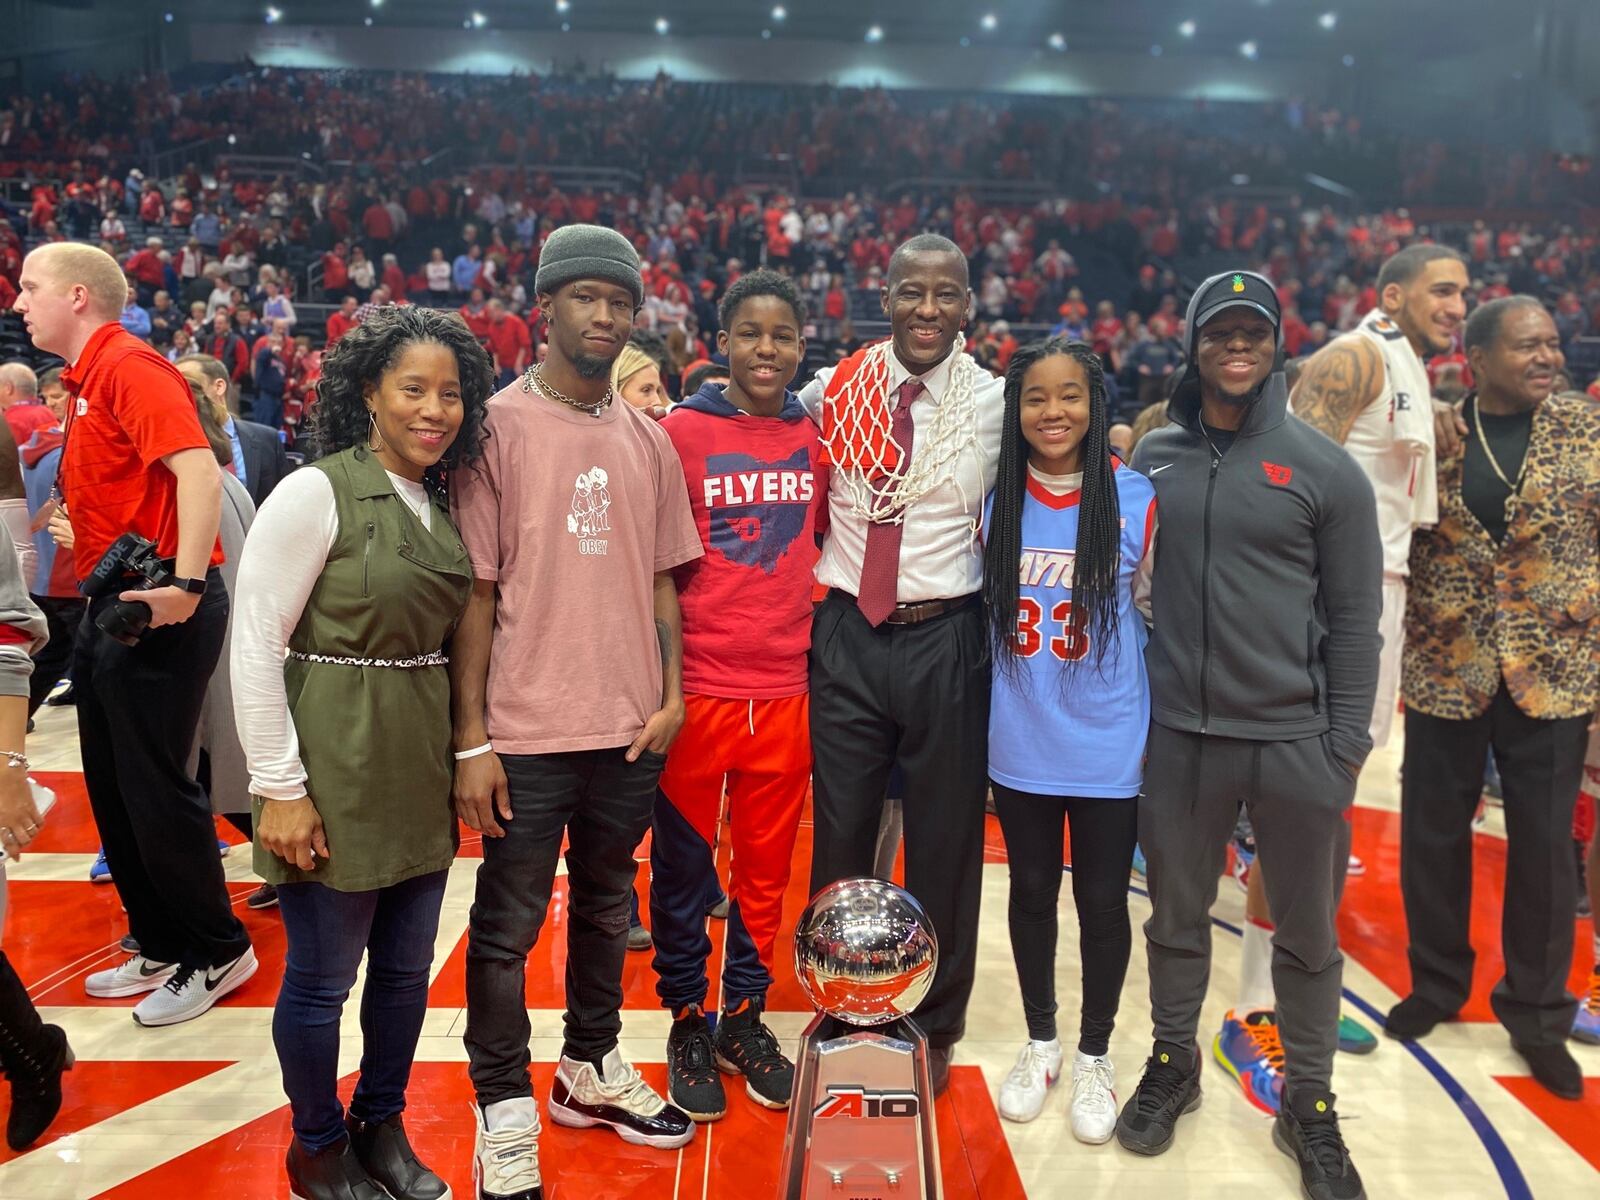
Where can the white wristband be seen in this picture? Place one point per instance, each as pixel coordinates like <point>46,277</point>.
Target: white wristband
<point>462,755</point>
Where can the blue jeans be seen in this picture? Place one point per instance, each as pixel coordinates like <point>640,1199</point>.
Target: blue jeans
<point>327,933</point>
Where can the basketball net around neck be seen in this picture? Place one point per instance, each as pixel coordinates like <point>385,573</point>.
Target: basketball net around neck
<point>856,428</point>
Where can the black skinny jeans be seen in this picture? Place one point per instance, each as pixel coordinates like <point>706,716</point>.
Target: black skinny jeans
<point>1103,836</point>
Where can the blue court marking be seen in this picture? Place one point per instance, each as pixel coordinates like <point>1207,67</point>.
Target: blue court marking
<point>1505,1163</point>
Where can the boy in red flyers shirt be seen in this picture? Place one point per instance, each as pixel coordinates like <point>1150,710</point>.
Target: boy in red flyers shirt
<point>758,486</point>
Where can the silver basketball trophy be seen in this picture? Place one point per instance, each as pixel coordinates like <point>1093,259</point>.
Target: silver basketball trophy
<point>861,1123</point>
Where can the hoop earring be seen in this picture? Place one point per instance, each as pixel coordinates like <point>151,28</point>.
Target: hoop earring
<point>372,422</point>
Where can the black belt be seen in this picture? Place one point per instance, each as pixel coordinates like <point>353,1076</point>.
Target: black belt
<point>917,613</point>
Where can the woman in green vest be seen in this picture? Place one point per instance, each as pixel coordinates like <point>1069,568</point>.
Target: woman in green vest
<point>350,585</point>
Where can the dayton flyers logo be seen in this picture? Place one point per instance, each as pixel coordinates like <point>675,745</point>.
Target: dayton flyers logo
<point>1276,475</point>
<point>858,1103</point>
<point>757,509</point>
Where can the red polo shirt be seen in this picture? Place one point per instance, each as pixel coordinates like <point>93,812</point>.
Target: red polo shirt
<point>506,337</point>
<point>130,408</point>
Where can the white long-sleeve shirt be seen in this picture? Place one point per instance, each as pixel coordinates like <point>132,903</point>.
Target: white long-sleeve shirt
<point>940,559</point>
<point>283,557</point>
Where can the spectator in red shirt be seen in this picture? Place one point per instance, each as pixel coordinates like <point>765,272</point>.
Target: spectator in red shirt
<point>476,314</point>
<point>136,461</point>
<point>148,271</point>
<point>341,321</point>
<point>394,278</point>
<point>509,342</point>
<point>228,348</point>
<point>378,225</point>
<point>335,275</point>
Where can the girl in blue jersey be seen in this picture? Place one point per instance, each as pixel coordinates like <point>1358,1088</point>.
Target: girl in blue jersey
<point>1068,531</point>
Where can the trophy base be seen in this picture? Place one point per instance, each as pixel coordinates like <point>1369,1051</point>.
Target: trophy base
<point>861,1124</point>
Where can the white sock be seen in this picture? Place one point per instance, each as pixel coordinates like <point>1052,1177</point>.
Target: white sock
<point>517,1113</point>
<point>1255,968</point>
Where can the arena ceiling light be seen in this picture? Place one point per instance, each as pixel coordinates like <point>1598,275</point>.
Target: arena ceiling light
<point>663,26</point>
<point>874,33</point>
<point>779,12</point>
<point>563,5</point>
<point>1058,41</point>
<point>377,3</point>
<point>479,20</point>
<point>274,15</point>
<point>990,22</point>
<point>1328,20</point>
<point>1187,28</point>
<point>1250,50</point>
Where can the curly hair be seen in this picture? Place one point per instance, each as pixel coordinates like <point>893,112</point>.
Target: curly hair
<point>761,283</point>
<point>361,358</point>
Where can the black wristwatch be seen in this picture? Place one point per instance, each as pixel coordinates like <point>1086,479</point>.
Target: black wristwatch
<point>195,587</point>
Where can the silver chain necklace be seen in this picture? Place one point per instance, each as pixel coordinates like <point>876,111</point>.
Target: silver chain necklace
<point>533,378</point>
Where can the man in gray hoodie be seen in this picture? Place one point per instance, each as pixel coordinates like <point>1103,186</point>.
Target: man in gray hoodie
<point>1263,666</point>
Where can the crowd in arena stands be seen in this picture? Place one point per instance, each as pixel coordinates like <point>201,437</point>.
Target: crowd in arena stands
<point>218,264</point>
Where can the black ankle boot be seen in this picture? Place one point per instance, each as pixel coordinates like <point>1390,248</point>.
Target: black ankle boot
<point>331,1174</point>
<point>34,1056</point>
<point>385,1151</point>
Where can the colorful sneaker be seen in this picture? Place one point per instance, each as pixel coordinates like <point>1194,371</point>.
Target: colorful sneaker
<point>223,848</point>
<point>1244,857</point>
<point>193,991</point>
<point>616,1098</point>
<point>1035,1072</point>
<point>1093,1110</point>
<point>1354,1037</point>
<point>1249,1049</point>
<point>744,1046</point>
<point>1139,871</point>
<point>134,977</point>
<point>100,872</point>
<point>692,1080</point>
<point>1586,1025</point>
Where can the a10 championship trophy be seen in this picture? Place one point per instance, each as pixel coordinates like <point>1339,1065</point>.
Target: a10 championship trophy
<point>861,1123</point>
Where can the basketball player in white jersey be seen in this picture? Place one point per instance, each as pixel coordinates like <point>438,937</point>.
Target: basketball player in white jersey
<point>1367,390</point>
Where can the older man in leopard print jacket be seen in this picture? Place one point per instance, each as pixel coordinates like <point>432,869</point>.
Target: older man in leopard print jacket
<point>1503,652</point>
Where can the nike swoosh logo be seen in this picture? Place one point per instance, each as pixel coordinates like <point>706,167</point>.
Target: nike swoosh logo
<point>148,971</point>
<point>1161,468</point>
<point>213,981</point>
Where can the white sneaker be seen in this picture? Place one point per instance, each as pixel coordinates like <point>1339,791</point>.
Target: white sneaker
<point>193,990</point>
<point>133,978</point>
<point>1094,1098</point>
<point>1023,1090</point>
<point>505,1158</point>
<point>619,1099</point>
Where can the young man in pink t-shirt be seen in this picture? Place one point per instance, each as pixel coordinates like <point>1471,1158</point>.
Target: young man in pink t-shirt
<point>567,674</point>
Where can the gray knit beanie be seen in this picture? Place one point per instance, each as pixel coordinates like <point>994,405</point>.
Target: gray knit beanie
<point>588,252</point>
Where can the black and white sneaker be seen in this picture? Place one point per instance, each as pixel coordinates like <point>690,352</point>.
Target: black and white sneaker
<point>192,991</point>
<point>386,1153</point>
<point>746,1047</point>
<point>617,1098</point>
<point>133,977</point>
<point>1307,1130</point>
<point>505,1157</point>
<point>1169,1088</point>
<point>693,1084</point>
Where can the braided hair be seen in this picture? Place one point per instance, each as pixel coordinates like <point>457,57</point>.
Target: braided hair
<point>1097,561</point>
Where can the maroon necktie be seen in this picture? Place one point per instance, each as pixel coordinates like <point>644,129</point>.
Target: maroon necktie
<point>880,567</point>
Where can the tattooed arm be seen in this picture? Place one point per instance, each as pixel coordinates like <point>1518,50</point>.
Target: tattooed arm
<point>1341,379</point>
<point>663,726</point>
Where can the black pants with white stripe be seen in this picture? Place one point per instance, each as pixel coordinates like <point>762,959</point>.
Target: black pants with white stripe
<point>919,695</point>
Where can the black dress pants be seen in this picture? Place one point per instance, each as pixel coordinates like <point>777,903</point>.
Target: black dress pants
<point>919,695</point>
<point>1541,765</point>
<point>138,709</point>
<point>63,615</point>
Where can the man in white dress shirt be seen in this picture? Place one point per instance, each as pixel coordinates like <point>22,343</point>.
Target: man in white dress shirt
<point>899,657</point>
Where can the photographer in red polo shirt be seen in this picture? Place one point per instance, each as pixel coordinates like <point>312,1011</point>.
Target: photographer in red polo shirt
<point>136,461</point>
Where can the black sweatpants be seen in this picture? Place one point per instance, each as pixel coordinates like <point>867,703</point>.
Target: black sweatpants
<point>1541,766</point>
<point>138,709</point>
<point>918,694</point>
<point>1103,834</point>
<point>62,615</point>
